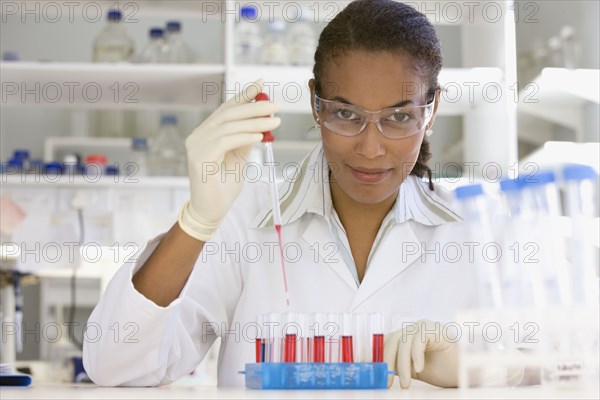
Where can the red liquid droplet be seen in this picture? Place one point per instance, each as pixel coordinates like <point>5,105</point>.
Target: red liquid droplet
<point>347,353</point>
<point>319,349</point>
<point>378,347</point>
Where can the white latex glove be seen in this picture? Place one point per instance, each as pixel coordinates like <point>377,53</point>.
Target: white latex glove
<point>220,145</point>
<point>420,351</point>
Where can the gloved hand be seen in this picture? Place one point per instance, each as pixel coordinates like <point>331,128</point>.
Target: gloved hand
<point>220,145</point>
<point>420,351</point>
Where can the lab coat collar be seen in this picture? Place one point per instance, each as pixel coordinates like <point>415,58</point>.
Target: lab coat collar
<point>308,192</point>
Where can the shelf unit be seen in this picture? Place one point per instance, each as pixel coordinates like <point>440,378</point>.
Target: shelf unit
<point>488,59</point>
<point>559,96</point>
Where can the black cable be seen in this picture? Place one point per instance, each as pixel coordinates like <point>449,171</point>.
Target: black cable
<point>73,306</point>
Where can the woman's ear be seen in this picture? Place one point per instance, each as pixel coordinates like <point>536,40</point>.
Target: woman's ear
<point>311,85</point>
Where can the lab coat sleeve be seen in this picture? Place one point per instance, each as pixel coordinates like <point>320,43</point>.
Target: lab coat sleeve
<point>139,343</point>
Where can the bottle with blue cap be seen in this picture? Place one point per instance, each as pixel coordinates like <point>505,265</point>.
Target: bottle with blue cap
<point>156,50</point>
<point>113,44</point>
<point>139,158</point>
<point>541,211</point>
<point>167,153</point>
<point>581,191</point>
<point>477,229</point>
<point>179,51</point>
<point>248,37</point>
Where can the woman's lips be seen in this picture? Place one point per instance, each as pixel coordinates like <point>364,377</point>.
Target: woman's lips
<point>369,175</point>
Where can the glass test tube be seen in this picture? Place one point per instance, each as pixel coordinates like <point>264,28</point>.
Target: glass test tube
<point>290,335</point>
<point>377,335</point>
<point>361,330</point>
<point>317,351</point>
<point>347,332</point>
<point>259,342</point>
<point>272,322</point>
<point>332,329</point>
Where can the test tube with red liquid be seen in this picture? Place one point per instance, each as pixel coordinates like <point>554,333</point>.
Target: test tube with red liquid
<point>377,336</point>
<point>317,344</point>
<point>290,333</point>
<point>347,342</point>
<point>260,341</point>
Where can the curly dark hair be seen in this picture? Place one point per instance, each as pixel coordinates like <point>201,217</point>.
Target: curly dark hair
<point>385,25</point>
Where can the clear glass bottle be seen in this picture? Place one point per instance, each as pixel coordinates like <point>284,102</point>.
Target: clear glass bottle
<point>302,39</point>
<point>139,157</point>
<point>157,49</point>
<point>275,51</point>
<point>113,44</point>
<point>179,51</point>
<point>248,37</point>
<point>167,154</point>
<point>570,47</point>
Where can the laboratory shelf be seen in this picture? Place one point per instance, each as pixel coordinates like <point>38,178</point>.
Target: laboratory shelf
<point>112,86</point>
<point>38,181</point>
<point>558,95</point>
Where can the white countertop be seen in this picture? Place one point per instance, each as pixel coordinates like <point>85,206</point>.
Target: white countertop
<point>178,391</point>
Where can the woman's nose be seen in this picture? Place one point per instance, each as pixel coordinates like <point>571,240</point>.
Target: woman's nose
<point>370,141</point>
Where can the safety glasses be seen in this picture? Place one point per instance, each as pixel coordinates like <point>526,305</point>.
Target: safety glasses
<point>393,123</point>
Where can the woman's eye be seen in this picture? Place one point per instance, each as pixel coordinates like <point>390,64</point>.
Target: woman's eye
<point>399,117</point>
<point>345,114</point>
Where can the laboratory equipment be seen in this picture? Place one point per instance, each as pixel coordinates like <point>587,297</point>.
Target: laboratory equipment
<point>302,39</point>
<point>248,37</point>
<point>288,367</point>
<point>347,345</point>
<point>268,139</point>
<point>316,376</point>
<point>570,47</point>
<point>580,191</point>
<point>179,52</point>
<point>156,50</point>
<point>478,229</point>
<point>376,325</point>
<point>167,155</point>
<point>139,157</point>
<point>275,50</point>
<point>113,44</point>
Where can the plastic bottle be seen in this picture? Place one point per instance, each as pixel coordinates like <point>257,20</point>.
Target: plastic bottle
<point>570,47</point>
<point>580,191</point>
<point>179,52</point>
<point>472,203</point>
<point>139,149</point>
<point>275,50</point>
<point>248,37</point>
<point>157,49</point>
<point>167,152</point>
<point>302,39</point>
<point>544,247</point>
<point>113,44</point>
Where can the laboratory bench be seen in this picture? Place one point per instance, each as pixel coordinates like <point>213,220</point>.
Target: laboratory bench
<point>418,390</point>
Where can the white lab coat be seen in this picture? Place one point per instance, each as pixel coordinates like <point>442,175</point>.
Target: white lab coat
<point>131,341</point>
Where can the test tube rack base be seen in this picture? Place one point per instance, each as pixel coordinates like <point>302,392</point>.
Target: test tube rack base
<point>316,375</point>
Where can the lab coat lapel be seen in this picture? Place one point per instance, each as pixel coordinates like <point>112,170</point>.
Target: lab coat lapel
<point>399,249</point>
<point>324,248</point>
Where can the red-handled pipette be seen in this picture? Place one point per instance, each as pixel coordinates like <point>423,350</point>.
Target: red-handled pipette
<point>268,139</point>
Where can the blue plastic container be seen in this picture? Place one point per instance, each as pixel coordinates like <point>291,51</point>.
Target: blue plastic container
<point>316,375</point>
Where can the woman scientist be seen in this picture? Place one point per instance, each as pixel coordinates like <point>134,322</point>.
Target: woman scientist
<point>358,222</point>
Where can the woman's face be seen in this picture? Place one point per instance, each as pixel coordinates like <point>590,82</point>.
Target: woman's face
<point>369,168</point>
